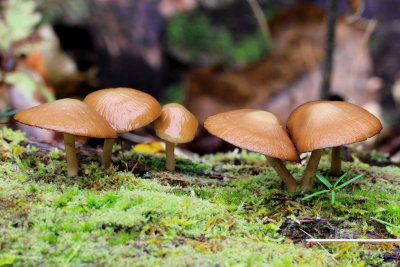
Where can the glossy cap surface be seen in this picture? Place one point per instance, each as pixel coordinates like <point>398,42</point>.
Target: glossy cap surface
<point>176,124</point>
<point>125,109</point>
<point>322,124</point>
<point>67,116</point>
<point>256,130</point>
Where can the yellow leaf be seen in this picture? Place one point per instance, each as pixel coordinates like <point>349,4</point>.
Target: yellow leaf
<point>151,147</point>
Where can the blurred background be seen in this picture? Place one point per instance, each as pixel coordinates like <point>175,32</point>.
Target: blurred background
<point>210,55</point>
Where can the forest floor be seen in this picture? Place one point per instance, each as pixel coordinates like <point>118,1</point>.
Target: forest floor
<point>228,209</point>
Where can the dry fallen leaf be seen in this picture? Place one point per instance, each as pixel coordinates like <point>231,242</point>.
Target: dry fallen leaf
<point>151,147</point>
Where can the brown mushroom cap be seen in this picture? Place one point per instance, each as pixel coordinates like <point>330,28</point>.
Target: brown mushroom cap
<point>176,124</point>
<point>125,109</point>
<point>322,124</point>
<point>255,130</point>
<point>67,116</point>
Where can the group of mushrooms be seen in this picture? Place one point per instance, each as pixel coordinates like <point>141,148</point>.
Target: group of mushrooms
<point>312,126</point>
<point>108,112</point>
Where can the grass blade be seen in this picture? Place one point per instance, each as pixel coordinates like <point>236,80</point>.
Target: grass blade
<point>315,194</point>
<point>350,181</point>
<point>323,180</point>
<point>386,223</point>
<point>341,178</point>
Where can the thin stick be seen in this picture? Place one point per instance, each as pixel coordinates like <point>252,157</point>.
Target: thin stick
<point>72,162</point>
<point>319,245</point>
<point>170,156</point>
<point>354,240</point>
<point>308,178</point>
<point>262,22</point>
<point>283,173</point>
<point>329,49</point>
<point>107,152</point>
<point>336,161</point>
<point>356,63</point>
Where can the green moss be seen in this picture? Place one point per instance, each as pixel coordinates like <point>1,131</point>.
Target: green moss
<point>210,212</point>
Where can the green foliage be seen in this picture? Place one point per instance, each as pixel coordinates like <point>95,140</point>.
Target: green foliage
<point>193,36</point>
<point>28,86</point>
<point>174,94</point>
<point>18,22</point>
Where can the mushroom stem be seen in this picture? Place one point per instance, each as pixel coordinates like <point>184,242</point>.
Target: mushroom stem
<point>72,162</point>
<point>336,161</point>
<point>308,178</point>
<point>285,175</point>
<point>107,152</point>
<point>170,156</point>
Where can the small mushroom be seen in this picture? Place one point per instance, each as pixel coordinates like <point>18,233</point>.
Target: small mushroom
<point>70,117</point>
<point>125,109</point>
<point>175,125</point>
<point>258,131</point>
<point>329,124</point>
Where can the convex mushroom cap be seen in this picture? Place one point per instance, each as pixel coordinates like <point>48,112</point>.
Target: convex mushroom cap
<point>323,124</point>
<point>125,109</point>
<point>176,124</point>
<point>256,130</point>
<point>69,116</point>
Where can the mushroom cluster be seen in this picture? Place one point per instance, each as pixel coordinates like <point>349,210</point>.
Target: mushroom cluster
<point>107,112</point>
<point>311,127</point>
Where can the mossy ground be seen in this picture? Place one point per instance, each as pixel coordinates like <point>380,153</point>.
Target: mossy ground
<point>222,210</point>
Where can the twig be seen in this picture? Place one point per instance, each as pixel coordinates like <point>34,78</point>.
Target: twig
<point>354,68</point>
<point>262,22</point>
<point>329,49</point>
<point>333,258</point>
<point>353,240</point>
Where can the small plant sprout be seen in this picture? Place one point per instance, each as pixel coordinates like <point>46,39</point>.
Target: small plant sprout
<point>70,117</point>
<point>329,124</point>
<point>175,125</point>
<point>332,188</point>
<point>259,131</point>
<point>125,109</point>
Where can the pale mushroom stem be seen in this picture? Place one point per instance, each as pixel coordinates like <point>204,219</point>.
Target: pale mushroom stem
<point>72,162</point>
<point>285,175</point>
<point>336,161</point>
<point>107,152</point>
<point>308,178</point>
<point>170,156</point>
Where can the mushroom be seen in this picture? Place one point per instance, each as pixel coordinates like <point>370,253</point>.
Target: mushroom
<point>125,109</point>
<point>175,125</point>
<point>329,124</point>
<point>70,117</point>
<point>259,131</point>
